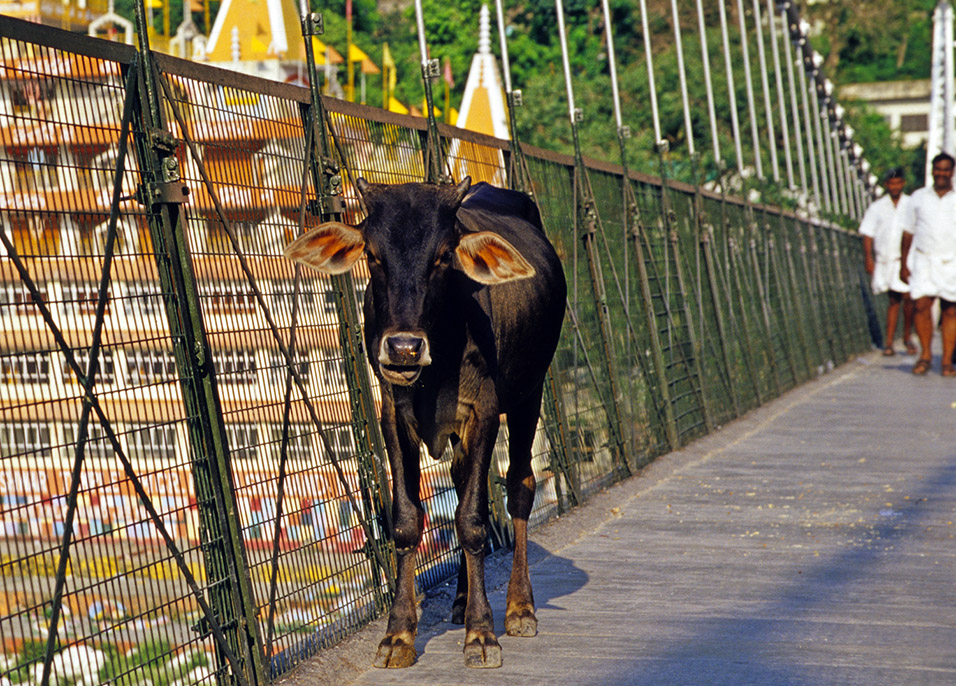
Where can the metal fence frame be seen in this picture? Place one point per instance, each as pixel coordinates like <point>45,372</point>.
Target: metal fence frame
<point>686,309</point>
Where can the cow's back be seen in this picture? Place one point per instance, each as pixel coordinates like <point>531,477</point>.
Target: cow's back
<point>526,315</point>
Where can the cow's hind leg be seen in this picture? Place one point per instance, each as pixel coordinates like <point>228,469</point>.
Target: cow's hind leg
<point>397,649</point>
<point>471,521</point>
<point>520,619</point>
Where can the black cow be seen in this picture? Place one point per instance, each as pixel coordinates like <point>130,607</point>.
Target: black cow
<point>462,316</point>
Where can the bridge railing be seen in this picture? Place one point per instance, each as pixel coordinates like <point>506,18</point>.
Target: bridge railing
<point>193,485</point>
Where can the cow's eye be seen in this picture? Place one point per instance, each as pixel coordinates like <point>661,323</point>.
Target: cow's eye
<point>445,258</point>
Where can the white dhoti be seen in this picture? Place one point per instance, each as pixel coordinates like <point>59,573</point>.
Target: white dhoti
<point>933,277</point>
<point>886,277</point>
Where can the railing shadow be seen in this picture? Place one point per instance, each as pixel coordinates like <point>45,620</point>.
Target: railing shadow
<point>436,609</point>
<point>745,651</point>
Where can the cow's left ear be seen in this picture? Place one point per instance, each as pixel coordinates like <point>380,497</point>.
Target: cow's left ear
<point>331,248</point>
<point>489,259</point>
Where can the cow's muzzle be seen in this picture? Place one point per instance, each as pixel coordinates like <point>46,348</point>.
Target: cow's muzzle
<point>402,356</point>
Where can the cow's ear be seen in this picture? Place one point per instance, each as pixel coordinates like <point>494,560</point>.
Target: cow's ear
<point>490,259</point>
<point>363,186</point>
<point>332,248</point>
<point>461,189</point>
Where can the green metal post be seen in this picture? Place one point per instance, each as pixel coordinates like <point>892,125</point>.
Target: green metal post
<point>326,175</point>
<point>735,269</point>
<point>728,262</point>
<point>824,286</point>
<point>431,70</point>
<point>701,387</point>
<point>817,313</point>
<point>698,227</point>
<point>706,241</point>
<point>785,315</point>
<point>638,236</point>
<point>163,193</point>
<point>669,217</point>
<point>764,308</point>
<point>785,264</point>
<point>586,219</point>
<point>634,227</point>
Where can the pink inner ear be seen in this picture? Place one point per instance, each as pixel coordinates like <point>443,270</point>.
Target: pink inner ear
<point>489,259</point>
<point>331,248</point>
<point>344,254</point>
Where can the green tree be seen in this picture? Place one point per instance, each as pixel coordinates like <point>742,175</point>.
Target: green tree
<point>862,40</point>
<point>872,40</point>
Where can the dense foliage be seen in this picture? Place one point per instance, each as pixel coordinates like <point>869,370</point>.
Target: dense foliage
<point>862,40</point>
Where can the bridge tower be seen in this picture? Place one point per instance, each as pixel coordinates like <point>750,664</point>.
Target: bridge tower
<point>942,126</point>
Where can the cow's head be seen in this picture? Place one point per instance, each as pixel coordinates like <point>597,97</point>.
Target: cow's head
<point>413,243</point>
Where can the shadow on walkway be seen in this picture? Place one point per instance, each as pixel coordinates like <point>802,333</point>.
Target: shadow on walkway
<point>435,624</point>
<point>765,640</point>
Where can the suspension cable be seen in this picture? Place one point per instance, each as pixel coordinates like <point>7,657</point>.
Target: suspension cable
<point>505,62</point>
<point>435,167</point>
<point>566,64</point>
<point>612,65</point>
<point>765,84</point>
<point>748,78</point>
<point>678,45</point>
<point>731,91</point>
<point>808,135</point>
<point>705,59</point>
<point>781,99</point>
<point>649,59</point>
<point>795,108</point>
<point>821,148</point>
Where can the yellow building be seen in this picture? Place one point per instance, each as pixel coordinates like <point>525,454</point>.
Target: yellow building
<point>483,107</point>
<point>259,37</point>
<point>72,15</point>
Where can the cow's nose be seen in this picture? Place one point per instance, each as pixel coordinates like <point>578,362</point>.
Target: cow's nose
<point>405,349</point>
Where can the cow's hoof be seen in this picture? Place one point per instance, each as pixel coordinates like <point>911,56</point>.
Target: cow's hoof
<point>482,651</point>
<point>395,652</point>
<point>521,623</point>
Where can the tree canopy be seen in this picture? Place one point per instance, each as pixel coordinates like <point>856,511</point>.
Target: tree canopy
<point>861,41</point>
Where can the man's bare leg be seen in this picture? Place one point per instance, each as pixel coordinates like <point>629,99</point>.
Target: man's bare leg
<point>909,306</point>
<point>948,312</point>
<point>892,315</point>
<point>923,323</point>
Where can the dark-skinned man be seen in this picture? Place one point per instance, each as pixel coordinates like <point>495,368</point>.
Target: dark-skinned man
<point>882,234</point>
<point>929,233</point>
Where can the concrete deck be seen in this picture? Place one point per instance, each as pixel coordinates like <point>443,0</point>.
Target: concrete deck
<point>811,542</point>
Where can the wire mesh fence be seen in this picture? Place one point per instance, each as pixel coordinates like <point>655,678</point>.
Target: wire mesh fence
<point>193,486</point>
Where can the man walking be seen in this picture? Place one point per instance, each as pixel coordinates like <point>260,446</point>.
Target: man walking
<point>929,229</point>
<point>882,234</point>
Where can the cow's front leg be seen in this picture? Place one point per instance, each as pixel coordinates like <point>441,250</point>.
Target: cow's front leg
<point>471,521</point>
<point>397,649</point>
<point>459,477</point>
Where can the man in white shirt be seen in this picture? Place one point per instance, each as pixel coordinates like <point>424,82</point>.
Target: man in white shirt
<point>929,229</point>
<point>882,234</point>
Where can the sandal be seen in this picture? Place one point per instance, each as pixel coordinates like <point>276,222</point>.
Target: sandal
<point>888,352</point>
<point>910,348</point>
<point>949,369</point>
<point>921,367</point>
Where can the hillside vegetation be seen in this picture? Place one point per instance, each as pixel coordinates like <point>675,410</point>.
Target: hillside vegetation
<point>862,41</point>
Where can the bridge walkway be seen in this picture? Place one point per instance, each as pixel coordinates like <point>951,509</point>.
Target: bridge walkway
<point>811,542</point>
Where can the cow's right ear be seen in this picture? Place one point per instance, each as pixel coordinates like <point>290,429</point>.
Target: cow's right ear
<point>332,248</point>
